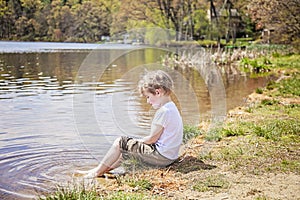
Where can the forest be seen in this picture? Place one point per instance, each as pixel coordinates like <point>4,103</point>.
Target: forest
<point>97,20</point>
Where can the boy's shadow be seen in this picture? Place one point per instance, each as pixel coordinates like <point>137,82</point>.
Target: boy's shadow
<point>189,163</point>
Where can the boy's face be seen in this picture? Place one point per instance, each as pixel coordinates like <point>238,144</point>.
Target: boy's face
<point>153,99</point>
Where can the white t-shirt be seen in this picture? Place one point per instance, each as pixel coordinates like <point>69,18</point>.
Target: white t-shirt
<point>170,140</point>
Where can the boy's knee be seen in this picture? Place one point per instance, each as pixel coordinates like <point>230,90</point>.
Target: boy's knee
<point>117,142</point>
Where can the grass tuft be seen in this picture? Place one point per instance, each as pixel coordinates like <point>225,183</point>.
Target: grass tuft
<point>276,129</point>
<point>211,183</point>
<point>190,132</point>
<point>290,86</point>
<point>140,184</point>
<point>259,90</point>
<point>214,134</point>
<point>73,193</point>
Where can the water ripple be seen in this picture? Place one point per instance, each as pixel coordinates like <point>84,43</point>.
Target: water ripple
<point>25,168</point>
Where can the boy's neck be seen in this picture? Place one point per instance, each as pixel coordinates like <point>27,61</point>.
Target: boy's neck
<point>165,99</point>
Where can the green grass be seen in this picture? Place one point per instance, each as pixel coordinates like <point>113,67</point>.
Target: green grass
<point>139,184</point>
<point>270,129</point>
<point>211,183</point>
<point>258,65</point>
<point>290,61</point>
<point>290,86</point>
<point>287,87</point>
<point>121,195</point>
<point>261,198</point>
<point>214,134</point>
<point>277,129</point>
<point>259,90</point>
<point>271,49</point>
<point>269,102</point>
<point>73,193</point>
<point>83,192</point>
<point>265,64</point>
<point>190,132</point>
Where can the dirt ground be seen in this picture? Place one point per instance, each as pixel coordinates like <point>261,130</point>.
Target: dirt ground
<point>177,182</point>
<point>242,184</point>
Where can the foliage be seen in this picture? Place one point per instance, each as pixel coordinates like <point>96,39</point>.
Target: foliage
<point>260,65</point>
<point>83,21</point>
<point>281,17</point>
<point>190,132</point>
<point>259,90</point>
<point>89,20</point>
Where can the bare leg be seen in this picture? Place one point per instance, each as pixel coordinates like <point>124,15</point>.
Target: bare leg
<point>110,161</point>
<point>116,164</point>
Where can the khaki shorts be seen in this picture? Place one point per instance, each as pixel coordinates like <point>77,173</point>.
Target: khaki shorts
<point>145,153</point>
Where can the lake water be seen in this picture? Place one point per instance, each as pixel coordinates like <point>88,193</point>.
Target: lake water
<point>62,105</point>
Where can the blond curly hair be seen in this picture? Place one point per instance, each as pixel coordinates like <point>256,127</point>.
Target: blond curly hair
<point>153,80</point>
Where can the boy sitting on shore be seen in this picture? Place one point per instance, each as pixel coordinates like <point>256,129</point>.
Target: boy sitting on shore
<point>161,147</point>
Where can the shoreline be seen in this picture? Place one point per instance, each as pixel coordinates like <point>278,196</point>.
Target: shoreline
<point>42,47</point>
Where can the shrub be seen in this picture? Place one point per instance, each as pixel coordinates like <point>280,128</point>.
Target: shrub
<point>190,132</point>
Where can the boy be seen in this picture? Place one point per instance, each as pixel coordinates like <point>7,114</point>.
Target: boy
<point>161,147</point>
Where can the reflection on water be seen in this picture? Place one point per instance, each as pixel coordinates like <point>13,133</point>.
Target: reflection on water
<point>41,137</point>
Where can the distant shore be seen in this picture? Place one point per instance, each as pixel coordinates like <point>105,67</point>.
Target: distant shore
<point>32,47</point>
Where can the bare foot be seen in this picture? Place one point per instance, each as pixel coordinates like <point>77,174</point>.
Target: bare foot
<point>88,173</point>
<point>82,171</point>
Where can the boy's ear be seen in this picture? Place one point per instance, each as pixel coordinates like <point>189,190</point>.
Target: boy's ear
<point>157,91</point>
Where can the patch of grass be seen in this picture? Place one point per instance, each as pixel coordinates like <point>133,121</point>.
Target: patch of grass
<point>120,195</point>
<point>290,61</point>
<point>232,155</point>
<point>73,193</point>
<point>287,87</point>
<point>258,155</point>
<point>139,184</point>
<point>289,165</point>
<point>211,183</point>
<point>290,86</point>
<point>258,65</point>
<point>214,134</point>
<point>269,102</point>
<point>276,129</point>
<point>238,128</point>
<point>232,132</point>
<point>261,198</point>
<point>190,132</point>
<point>271,48</point>
<point>275,110</point>
<point>259,90</point>
<point>271,85</point>
<point>293,110</point>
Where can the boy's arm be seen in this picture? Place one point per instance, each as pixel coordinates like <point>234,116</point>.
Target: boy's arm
<point>155,134</point>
